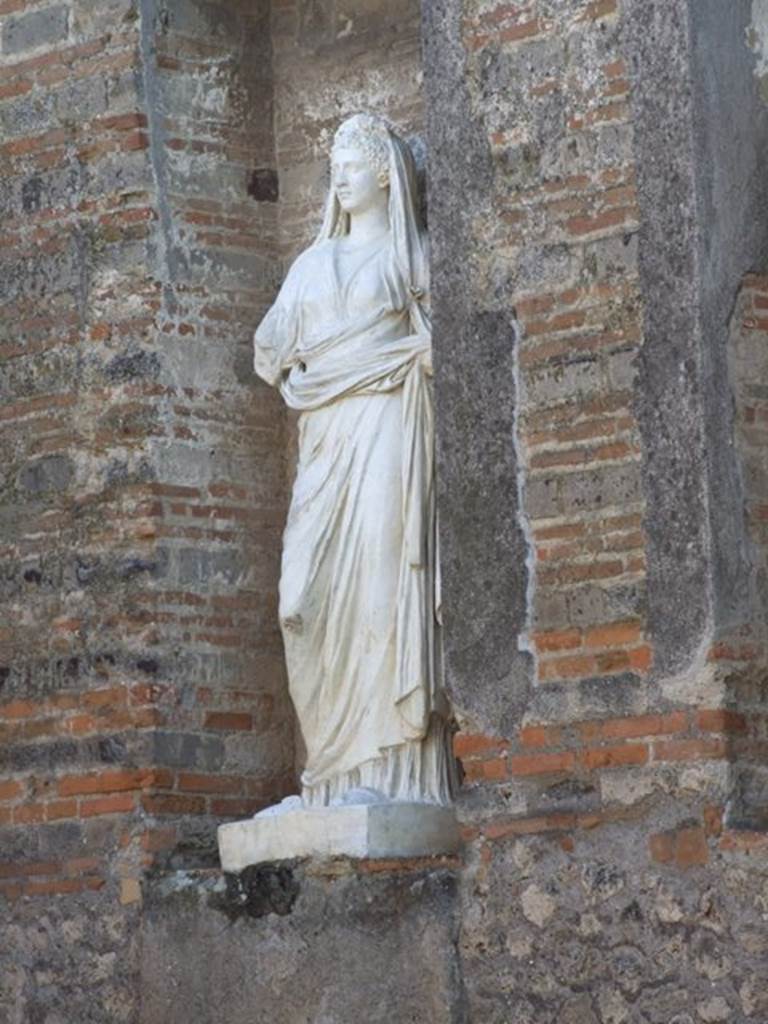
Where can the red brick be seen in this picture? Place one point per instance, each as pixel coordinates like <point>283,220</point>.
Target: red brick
<point>540,736</point>
<point>557,640</point>
<point>14,89</point>
<point>662,847</point>
<point>610,662</point>
<point>640,658</point>
<point>529,826</point>
<point>745,842</point>
<point>105,782</point>
<point>228,720</point>
<point>173,803</point>
<point>614,634</point>
<point>601,221</point>
<point>542,764</point>
<point>147,693</point>
<point>28,814</point>
<point>565,532</point>
<point>560,322</point>
<point>467,744</point>
<point>63,702</point>
<point>713,820</point>
<point>689,750</point>
<point>39,727</point>
<point>615,69</point>
<point>492,770</point>
<point>721,720</point>
<point>611,757</point>
<point>112,697</point>
<point>82,724</point>
<point>10,790</point>
<point>157,839</point>
<point>19,709</point>
<point>685,847</point>
<point>574,667</point>
<point>62,887</point>
<point>120,122</point>
<point>82,865</point>
<point>403,864</point>
<point>599,9</point>
<point>732,652</point>
<point>691,848</point>
<point>122,803</point>
<point>634,727</point>
<point>20,869</point>
<point>56,809</point>
<point>595,570</point>
<point>523,30</point>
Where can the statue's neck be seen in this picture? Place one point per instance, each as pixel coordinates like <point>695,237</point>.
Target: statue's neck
<point>368,225</point>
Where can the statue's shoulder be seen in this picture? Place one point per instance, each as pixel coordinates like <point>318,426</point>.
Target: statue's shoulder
<point>307,262</point>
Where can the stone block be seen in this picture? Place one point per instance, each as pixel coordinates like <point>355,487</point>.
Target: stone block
<point>185,750</point>
<point>52,473</point>
<point>364,831</point>
<point>292,946</point>
<point>49,25</point>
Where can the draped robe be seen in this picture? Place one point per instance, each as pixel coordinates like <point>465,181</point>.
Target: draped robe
<point>350,349</point>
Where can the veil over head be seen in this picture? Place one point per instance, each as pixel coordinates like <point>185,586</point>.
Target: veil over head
<point>376,138</point>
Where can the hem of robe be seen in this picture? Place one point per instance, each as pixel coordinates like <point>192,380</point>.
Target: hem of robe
<point>417,771</point>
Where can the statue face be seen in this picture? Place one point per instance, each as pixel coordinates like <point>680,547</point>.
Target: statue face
<point>358,185</point>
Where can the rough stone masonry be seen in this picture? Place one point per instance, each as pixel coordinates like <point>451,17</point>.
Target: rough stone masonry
<point>599,230</point>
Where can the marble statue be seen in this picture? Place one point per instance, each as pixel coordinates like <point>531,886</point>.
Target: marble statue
<point>348,343</point>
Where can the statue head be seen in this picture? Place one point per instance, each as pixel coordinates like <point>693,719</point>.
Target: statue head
<point>371,163</point>
<point>360,160</point>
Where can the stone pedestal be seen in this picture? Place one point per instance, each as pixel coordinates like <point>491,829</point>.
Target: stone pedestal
<point>364,831</point>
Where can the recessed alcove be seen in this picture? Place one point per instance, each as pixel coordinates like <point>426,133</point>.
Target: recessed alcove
<point>326,62</point>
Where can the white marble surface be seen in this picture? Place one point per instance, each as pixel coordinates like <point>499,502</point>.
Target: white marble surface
<point>359,831</point>
<point>348,343</point>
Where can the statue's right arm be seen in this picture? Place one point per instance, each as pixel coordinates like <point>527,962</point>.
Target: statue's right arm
<point>276,336</point>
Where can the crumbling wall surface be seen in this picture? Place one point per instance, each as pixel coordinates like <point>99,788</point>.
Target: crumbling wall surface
<point>76,203</point>
<point>605,923</point>
<point>747,687</point>
<point>352,944</point>
<point>224,743</point>
<point>730,135</point>
<point>332,60</point>
<point>601,602</point>
<point>731,156</point>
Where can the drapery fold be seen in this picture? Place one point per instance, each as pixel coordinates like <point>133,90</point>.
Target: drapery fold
<point>364,358</point>
<point>348,343</point>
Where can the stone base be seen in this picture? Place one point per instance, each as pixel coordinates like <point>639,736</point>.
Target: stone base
<point>368,830</point>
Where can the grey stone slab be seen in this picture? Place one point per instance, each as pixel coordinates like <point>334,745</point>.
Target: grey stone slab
<point>47,25</point>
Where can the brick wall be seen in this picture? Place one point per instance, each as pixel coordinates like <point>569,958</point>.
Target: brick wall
<point>76,204</point>
<point>142,691</point>
<point>606,672</point>
<point>332,61</point>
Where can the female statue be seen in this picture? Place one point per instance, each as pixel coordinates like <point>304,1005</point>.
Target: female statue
<point>348,343</point>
